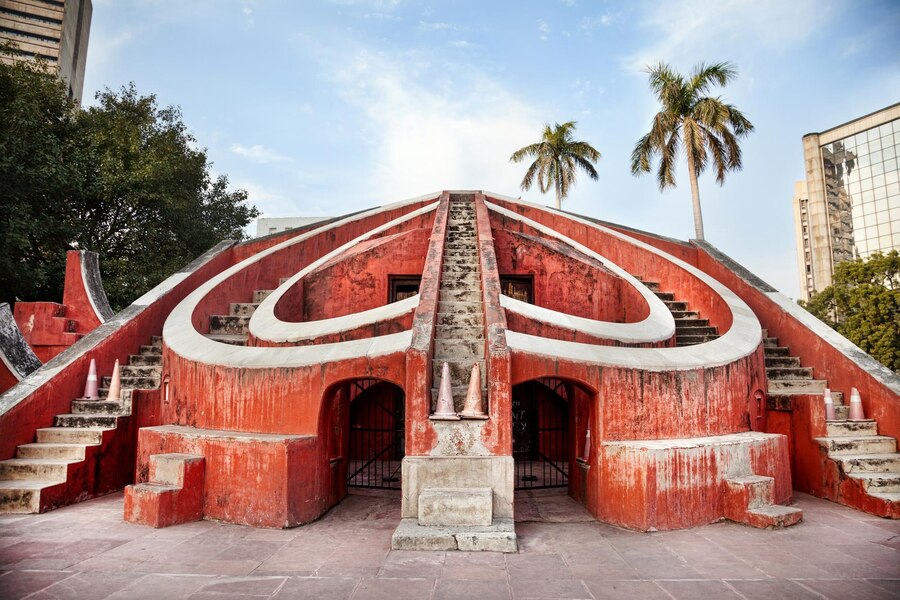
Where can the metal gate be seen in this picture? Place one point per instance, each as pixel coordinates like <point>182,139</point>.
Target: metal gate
<point>541,446</point>
<point>376,435</point>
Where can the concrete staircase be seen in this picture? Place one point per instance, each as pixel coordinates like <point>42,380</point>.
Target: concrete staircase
<point>233,328</point>
<point>459,334</point>
<point>871,460</point>
<point>690,329</point>
<point>50,472</point>
<point>751,500</point>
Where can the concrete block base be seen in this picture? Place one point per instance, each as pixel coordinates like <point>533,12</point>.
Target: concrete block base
<point>174,494</point>
<point>499,536</point>
<point>455,506</point>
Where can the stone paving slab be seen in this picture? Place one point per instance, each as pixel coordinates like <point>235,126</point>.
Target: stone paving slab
<point>87,551</point>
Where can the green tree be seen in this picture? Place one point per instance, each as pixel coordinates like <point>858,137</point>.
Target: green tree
<point>705,127</point>
<point>123,178</point>
<point>863,305</point>
<point>38,176</point>
<point>149,204</point>
<point>557,158</point>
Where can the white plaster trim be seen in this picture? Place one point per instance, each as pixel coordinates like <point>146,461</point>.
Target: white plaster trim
<point>87,291</point>
<point>729,439</point>
<point>741,339</point>
<point>11,368</point>
<point>659,325</point>
<point>181,337</point>
<point>264,325</point>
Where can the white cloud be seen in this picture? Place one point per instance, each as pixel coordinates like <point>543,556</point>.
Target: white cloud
<point>439,26</point>
<point>589,24</point>
<point>543,30</point>
<point>455,135</point>
<point>259,154</point>
<point>691,30</point>
<point>462,44</point>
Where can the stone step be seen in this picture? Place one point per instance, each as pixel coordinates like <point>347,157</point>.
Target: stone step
<point>796,386</point>
<point>851,428</point>
<point>234,340</point>
<point>782,361</point>
<point>652,285</point>
<point>149,382</point>
<point>460,308</point>
<point>692,340</point>
<point>789,372</point>
<point>147,350</point>
<point>770,342</point>
<point>242,309</point>
<point>674,305</point>
<point>84,420</point>
<point>891,497</point>
<point>691,322</point>
<point>777,351</point>
<point>460,255</point>
<point>460,371</point>
<point>459,320</point>
<point>841,413</point>
<point>775,516</point>
<point>145,360</point>
<point>878,482</point>
<point>40,469</point>
<point>458,350</point>
<point>463,332</point>
<point>685,314</point>
<point>101,407</point>
<point>665,296</point>
<point>462,295</point>
<point>70,435</point>
<point>260,295</point>
<point>868,444</point>
<point>130,370</point>
<point>225,324</point>
<point>871,463</point>
<point>52,451</point>
<point>24,497</point>
<point>681,330</point>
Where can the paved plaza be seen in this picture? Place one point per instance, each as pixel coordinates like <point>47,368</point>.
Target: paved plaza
<point>87,551</point>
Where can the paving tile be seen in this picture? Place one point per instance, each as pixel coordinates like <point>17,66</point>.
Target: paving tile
<point>843,589</point>
<point>18,584</point>
<point>393,589</point>
<point>156,586</point>
<point>335,588</point>
<point>772,589</point>
<point>548,588</point>
<point>537,566</point>
<point>253,586</point>
<point>699,590</point>
<point>86,585</point>
<point>606,589</point>
<point>457,589</point>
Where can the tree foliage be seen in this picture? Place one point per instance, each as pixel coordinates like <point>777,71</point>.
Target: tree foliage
<point>557,158</point>
<point>124,178</point>
<point>704,127</point>
<point>863,305</point>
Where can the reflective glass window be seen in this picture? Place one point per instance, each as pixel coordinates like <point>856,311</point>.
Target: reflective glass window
<point>879,193</point>
<point>878,180</point>
<point>874,144</point>
<point>885,130</point>
<point>877,168</point>
<point>876,157</point>
<point>889,152</point>
<point>866,183</point>
<point>893,189</point>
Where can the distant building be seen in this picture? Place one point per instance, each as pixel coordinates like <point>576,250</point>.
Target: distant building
<point>54,30</point>
<point>270,225</point>
<point>849,205</point>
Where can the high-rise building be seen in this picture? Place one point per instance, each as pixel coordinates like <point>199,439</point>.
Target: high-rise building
<point>54,30</point>
<point>849,205</point>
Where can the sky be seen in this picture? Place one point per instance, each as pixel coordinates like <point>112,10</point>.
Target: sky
<point>320,108</point>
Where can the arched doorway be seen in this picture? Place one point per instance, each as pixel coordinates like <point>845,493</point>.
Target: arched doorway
<point>542,444</point>
<point>376,444</point>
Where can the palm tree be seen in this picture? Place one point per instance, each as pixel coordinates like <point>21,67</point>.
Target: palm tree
<point>706,127</point>
<point>556,158</point>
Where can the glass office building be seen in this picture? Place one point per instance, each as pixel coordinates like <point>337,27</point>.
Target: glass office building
<point>849,205</point>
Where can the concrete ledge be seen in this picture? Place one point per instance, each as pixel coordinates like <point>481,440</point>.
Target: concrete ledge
<point>455,506</point>
<point>493,472</point>
<point>499,536</point>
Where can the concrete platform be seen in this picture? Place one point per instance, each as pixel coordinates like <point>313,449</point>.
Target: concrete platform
<point>87,551</point>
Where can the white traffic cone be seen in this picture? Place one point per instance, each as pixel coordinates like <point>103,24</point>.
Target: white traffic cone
<point>115,385</point>
<point>473,408</point>
<point>829,406</point>
<point>91,389</point>
<point>856,407</point>
<point>444,410</point>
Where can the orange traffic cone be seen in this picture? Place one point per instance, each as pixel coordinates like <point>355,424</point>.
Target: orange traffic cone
<point>115,386</point>
<point>473,408</point>
<point>856,408</point>
<point>90,386</point>
<point>829,406</point>
<point>444,410</point>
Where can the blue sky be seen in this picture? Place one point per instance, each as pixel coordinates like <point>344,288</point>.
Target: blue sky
<point>322,108</point>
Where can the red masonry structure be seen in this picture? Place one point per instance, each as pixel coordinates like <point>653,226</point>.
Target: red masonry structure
<point>654,380</point>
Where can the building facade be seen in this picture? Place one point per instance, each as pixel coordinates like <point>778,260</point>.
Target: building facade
<point>269,225</point>
<point>56,31</point>
<point>849,204</point>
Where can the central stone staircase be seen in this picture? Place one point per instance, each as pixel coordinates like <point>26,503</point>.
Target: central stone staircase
<point>62,465</point>
<point>459,334</point>
<point>234,328</point>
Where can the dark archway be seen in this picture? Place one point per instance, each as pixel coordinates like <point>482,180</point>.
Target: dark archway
<point>542,444</point>
<point>375,434</point>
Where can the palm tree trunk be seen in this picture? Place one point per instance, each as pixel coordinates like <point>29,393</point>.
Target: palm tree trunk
<point>695,197</point>
<point>558,197</point>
